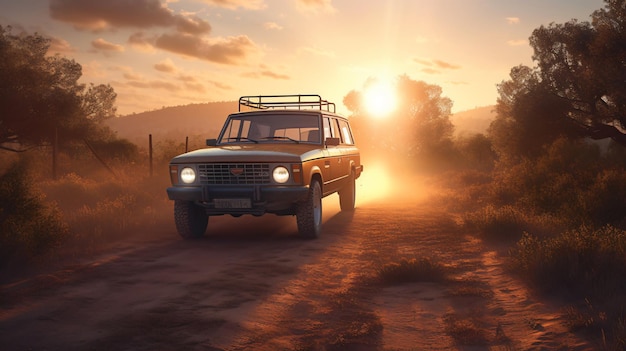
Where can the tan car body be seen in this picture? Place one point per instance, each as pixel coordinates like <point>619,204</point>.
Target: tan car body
<point>236,175</point>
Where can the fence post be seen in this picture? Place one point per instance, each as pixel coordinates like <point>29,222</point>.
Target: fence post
<point>186,144</point>
<point>150,152</point>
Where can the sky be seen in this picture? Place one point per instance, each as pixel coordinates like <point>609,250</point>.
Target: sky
<point>160,53</point>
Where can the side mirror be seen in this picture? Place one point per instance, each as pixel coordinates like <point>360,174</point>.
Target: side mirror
<point>332,141</point>
<point>211,142</point>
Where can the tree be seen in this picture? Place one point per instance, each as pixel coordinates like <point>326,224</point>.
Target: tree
<point>420,125</point>
<point>578,87</point>
<point>40,95</point>
<point>529,116</point>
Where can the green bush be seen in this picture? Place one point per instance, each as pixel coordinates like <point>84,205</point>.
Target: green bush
<point>29,227</point>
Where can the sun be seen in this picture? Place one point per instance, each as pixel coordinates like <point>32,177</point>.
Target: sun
<point>380,98</point>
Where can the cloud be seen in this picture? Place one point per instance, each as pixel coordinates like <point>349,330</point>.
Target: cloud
<point>192,83</point>
<point>270,74</point>
<point>192,25</point>
<point>130,75</point>
<point>103,45</point>
<point>234,4</point>
<point>58,45</point>
<point>166,66</point>
<point>519,42</point>
<point>315,6</point>
<point>231,50</point>
<point>445,65</point>
<point>512,20</point>
<point>267,73</point>
<point>220,85</point>
<point>141,41</point>
<point>423,62</point>
<point>435,66</point>
<point>110,14</point>
<point>272,25</point>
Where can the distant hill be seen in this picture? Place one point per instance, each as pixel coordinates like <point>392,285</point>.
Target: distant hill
<point>473,121</point>
<point>206,120</point>
<point>174,122</point>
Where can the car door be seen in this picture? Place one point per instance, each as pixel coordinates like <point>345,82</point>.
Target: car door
<point>349,152</point>
<point>334,160</point>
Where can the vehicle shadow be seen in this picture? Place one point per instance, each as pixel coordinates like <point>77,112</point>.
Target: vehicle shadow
<point>272,228</point>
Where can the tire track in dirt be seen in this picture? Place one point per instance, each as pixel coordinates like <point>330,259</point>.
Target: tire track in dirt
<point>332,303</point>
<point>252,284</point>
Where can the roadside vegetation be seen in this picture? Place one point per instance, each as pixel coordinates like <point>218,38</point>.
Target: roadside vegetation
<point>546,184</point>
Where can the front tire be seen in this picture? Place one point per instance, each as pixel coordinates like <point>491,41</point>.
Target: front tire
<point>191,219</point>
<point>309,212</point>
<point>347,195</point>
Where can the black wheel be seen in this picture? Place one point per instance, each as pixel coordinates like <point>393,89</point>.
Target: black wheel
<point>309,212</point>
<point>191,220</point>
<point>347,195</point>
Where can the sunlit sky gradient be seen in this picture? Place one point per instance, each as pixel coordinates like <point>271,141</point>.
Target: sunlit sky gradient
<point>166,53</point>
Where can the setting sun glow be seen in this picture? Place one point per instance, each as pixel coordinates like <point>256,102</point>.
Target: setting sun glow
<point>161,53</point>
<point>380,99</point>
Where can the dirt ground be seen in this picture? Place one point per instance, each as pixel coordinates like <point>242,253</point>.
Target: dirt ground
<point>252,284</point>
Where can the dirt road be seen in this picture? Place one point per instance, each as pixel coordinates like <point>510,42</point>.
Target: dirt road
<point>252,284</point>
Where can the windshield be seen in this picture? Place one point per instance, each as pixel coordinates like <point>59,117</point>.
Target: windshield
<point>264,128</point>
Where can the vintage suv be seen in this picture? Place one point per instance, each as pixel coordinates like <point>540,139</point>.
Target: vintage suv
<point>281,155</point>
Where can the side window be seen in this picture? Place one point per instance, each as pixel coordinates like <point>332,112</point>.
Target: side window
<point>334,127</point>
<point>237,129</point>
<point>327,131</point>
<point>345,132</point>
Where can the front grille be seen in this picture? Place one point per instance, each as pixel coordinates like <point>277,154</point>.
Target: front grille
<point>232,173</point>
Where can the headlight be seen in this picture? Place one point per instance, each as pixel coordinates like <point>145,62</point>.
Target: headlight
<point>188,175</point>
<point>280,174</point>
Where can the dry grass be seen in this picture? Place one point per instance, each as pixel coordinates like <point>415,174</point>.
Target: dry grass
<point>411,270</point>
<point>44,220</point>
<point>467,330</point>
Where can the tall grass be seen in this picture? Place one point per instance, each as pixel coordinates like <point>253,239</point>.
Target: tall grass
<point>587,264</point>
<point>30,226</point>
<point>105,210</point>
<point>44,219</point>
<point>563,215</point>
<point>591,262</point>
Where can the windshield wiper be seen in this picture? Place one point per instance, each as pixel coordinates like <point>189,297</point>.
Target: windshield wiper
<point>281,138</point>
<point>243,138</point>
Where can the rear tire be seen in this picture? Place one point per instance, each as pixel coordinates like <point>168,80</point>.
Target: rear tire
<point>309,212</point>
<point>347,195</point>
<point>191,219</point>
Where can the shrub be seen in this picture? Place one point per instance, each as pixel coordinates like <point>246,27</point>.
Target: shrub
<point>29,227</point>
<point>411,271</point>
<point>588,262</point>
<point>605,201</point>
<point>103,211</point>
<point>504,223</point>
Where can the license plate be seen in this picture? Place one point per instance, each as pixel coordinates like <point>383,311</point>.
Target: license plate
<point>232,203</point>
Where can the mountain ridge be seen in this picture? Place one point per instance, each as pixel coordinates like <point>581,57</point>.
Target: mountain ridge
<point>206,120</point>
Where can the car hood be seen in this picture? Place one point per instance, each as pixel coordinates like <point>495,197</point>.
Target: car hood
<point>282,152</point>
